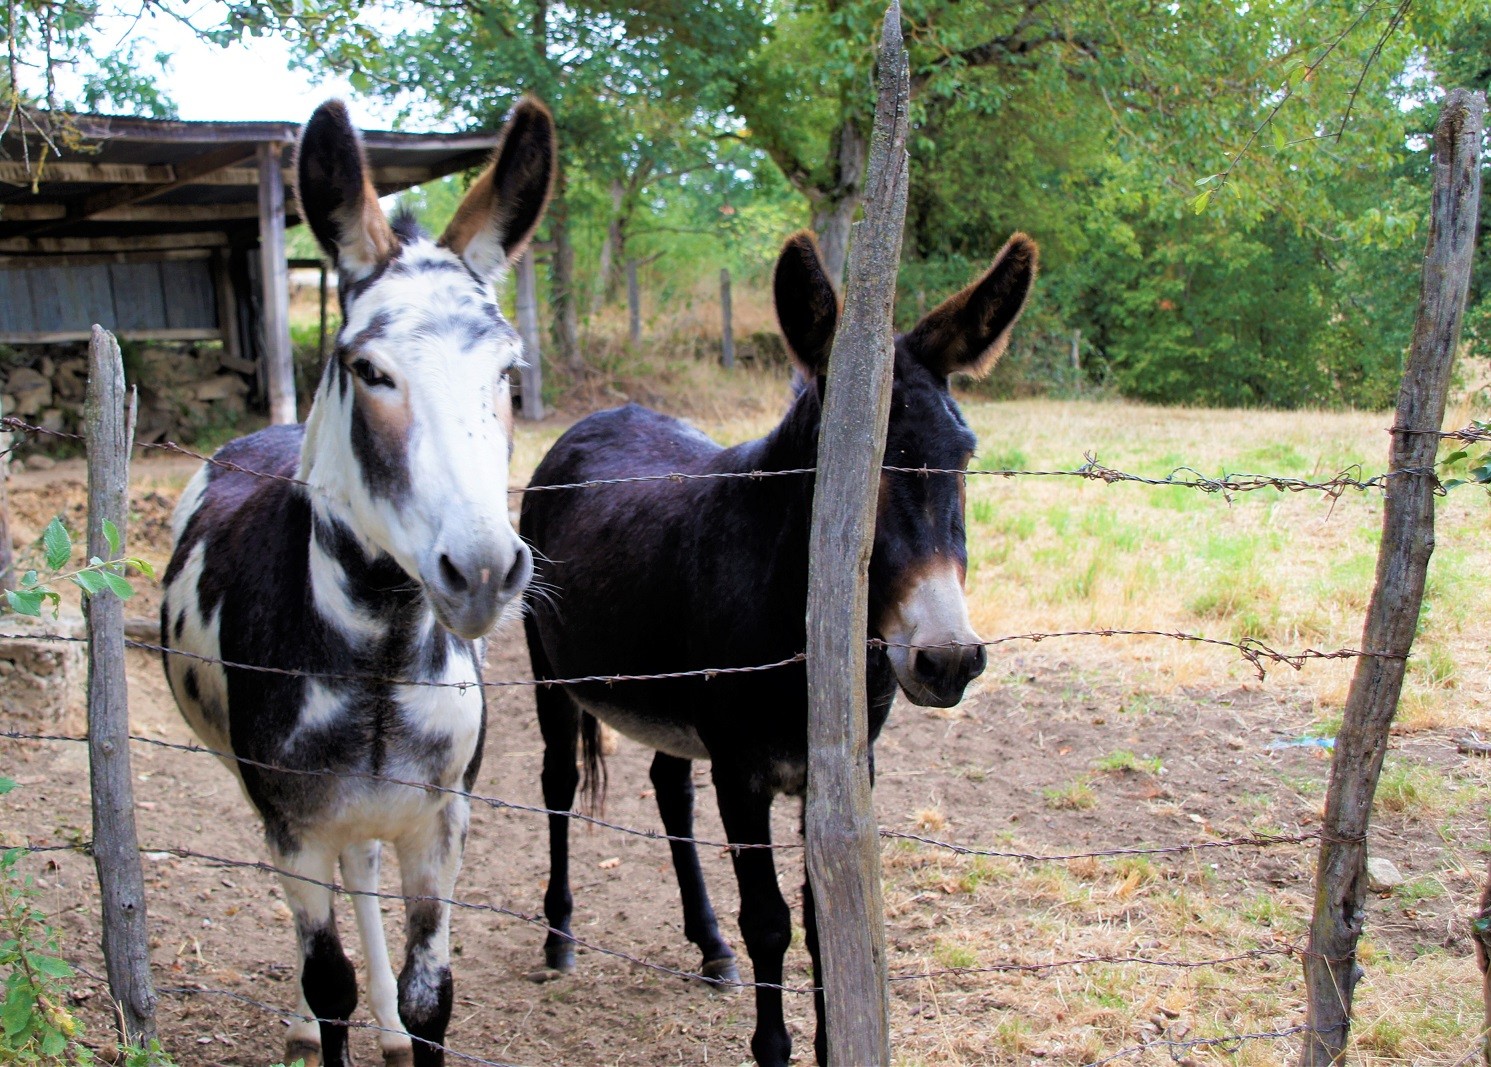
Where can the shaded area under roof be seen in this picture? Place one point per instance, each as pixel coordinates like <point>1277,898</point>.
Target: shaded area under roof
<point>142,185</point>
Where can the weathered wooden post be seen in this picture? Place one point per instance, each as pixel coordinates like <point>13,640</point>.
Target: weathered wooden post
<point>727,348</point>
<point>532,375</point>
<point>7,561</point>
<point>843,844</point>
<point>116,849</point>
<point>1331,969</point>
<point>274,285</point>
<point>633,305</point>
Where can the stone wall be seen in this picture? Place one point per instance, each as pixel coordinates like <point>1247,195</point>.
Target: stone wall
<point>185,388</point>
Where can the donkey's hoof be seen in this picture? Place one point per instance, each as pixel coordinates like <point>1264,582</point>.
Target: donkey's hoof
<point>546,974</point>
<point>308,1052</point>
<point>559,958</point>
<point>721,975</point>
<point>402,1056</point>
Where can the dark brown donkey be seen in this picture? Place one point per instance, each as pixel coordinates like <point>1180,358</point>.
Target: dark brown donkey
<point>663,576</point>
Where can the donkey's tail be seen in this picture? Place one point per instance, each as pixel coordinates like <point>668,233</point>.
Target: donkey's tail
<point>593,778</point>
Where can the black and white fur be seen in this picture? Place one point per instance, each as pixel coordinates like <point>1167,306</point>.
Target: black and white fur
<point>392,562</point>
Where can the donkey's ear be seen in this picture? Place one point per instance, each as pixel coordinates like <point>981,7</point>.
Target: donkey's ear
<point>967,332</point>
<point>807,306</point>
<point>503,207</point>
<point>337,198</point>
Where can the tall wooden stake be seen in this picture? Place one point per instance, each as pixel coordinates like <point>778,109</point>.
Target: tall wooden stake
<point>727,348</point>
<point>532,375</point>
<point>843,843</point>
<point>1331,969</point>
<point>116,849</point>
<point>274,284</point>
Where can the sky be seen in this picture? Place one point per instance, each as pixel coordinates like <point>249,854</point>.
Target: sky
<point>245,82</point>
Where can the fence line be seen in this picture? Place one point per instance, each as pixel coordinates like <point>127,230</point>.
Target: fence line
<point>1255,840</point>
<point>1091,470</point>
<point>1254,651</point>
<point>1291,949</point>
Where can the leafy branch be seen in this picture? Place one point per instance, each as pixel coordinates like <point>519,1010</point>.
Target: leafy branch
<point>1477,471</point>
<point>96,576</point>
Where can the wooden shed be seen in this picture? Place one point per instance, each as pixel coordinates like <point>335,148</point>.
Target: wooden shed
<point>169,230</point>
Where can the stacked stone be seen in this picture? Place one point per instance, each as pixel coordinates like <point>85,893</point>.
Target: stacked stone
<point>185,388</point>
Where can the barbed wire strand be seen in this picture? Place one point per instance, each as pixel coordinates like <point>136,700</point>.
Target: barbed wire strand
<point>536,921</point>
<point>1091,470</point>
<point>1255,840</point>
<point>281,1012</point>
<point>1254,651</point>
<point>1228,1043</point>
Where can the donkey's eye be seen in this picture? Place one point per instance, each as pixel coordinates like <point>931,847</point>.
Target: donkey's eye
<point>369,374</point>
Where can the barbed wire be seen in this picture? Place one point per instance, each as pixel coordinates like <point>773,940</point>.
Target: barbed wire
<point>1254,651</point>
<point>1227,1043</point>
<point>1032,967</point>
<point>281,1012</point>
<point>1470,434</point>
<point>1092,469</point>
<point>1255,840</point>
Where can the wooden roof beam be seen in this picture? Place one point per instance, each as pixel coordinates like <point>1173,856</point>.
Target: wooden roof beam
<point>183,173</point>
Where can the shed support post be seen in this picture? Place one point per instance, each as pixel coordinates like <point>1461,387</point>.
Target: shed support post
<point>727,347</point>
<point>275,282</point>
<point>532,377</point>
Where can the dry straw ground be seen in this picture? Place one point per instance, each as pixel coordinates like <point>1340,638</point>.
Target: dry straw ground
<point>1069,745</point>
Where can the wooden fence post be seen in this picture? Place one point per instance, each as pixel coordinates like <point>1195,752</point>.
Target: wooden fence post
<point>7,562</point>
<point>843,842</point>
<point>727,347</point>
<point>116,851</point>
<point>1331,969</point>
<point>532,375</point>
<point>633,305</point>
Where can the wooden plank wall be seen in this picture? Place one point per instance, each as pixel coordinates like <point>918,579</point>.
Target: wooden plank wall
<point>134,298</point>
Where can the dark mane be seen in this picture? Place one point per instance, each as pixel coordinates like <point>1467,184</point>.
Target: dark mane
<point>406,224</point>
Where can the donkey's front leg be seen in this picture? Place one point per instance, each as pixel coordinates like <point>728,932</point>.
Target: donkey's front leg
<point>673,781</point>
<point>428,863</point>
<point>328,984</point>
<point>765,921</point>
<point>360,864</point>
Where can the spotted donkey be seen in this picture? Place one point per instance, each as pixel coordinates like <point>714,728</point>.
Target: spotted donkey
<point>379,547</point>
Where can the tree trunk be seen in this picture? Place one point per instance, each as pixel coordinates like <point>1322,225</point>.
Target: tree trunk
<point>834,208</point>
<point>562,295</point>
<point>604,289</point>
<point>633,305</point>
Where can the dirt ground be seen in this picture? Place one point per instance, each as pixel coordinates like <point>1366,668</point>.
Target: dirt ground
<point>1055,750</point>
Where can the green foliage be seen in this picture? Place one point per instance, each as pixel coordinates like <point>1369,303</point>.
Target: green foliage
<point>98,575</point>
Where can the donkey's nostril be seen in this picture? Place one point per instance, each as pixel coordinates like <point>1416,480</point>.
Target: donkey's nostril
<point>519,573</point>
<point>454,579</point>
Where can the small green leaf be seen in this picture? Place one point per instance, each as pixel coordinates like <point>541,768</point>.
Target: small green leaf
<point>58,544</point>
<point>53,1044</point>
<point>121,588</point>
<point>30,579</point>
<point>1199,202</point>
<point>89,582</point>
<point>6,785</point>
<point>1280,140</point>
<point>49,965</point>
<point>141,565</point>
<point>1454,457</point>
<point>25,602</point>
<point>1208,178</point>
<point>111,534</point>
<point>1452,483</point>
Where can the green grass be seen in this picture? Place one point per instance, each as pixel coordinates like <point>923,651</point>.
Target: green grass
<point>1411,788</point>
<point>1075,796</point>
<point>1122,760</point>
